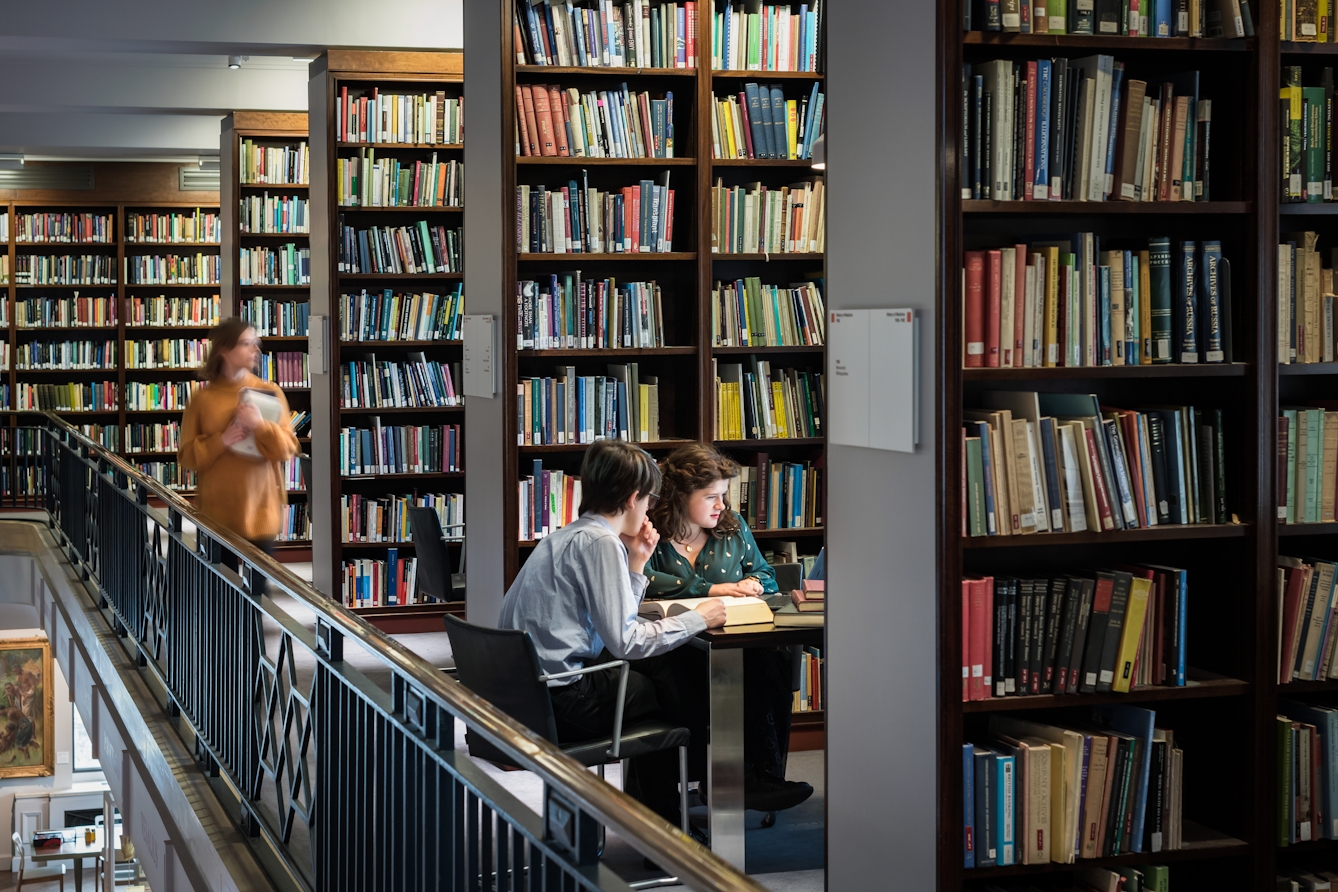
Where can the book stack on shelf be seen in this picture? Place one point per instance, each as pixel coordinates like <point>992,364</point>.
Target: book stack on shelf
<point>265,183</point>
<point>392,161</point>
<point>667,252</point>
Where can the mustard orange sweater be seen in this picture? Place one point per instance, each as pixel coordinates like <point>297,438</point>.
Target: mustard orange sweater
<point>243,493</point>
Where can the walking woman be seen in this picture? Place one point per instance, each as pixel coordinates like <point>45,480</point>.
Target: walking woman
<point>241,491</point>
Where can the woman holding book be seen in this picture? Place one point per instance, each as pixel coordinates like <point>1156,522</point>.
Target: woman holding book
<point>706,550</point>
<point>236,454</point>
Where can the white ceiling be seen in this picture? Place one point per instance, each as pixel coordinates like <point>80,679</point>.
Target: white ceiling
<point>149,78</point>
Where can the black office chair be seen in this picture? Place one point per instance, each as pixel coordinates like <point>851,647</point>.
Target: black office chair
<point>435,578</point>
<point>502,667</point>
<point>304,461</point>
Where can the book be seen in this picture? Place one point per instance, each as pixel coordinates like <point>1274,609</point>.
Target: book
<point>742,610</point>
<point>270,409</point>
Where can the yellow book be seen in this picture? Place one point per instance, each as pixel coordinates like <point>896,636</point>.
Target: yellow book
<point>1130,637</point>
<point>1051,344</point>
<point>643,411</point>
<point>778,409</point>
<point>792,127</point>
<point>727,110</point>
<point>1325,23</point>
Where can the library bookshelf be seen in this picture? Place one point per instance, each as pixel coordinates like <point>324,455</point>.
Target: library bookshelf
<point>357,74</point>
<point>686,364</point>
<point>246,133</point>
<point>118,317</point>
<point>1224,720</point>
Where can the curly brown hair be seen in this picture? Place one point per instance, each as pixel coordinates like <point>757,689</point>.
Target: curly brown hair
<point>689,469</point>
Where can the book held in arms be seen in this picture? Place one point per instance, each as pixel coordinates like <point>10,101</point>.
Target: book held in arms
<point>1111,630</point>
<point>758,122</point>
<point>739,611</point>
<point>1071,302</point>
<point>271,410</point>
<point>577,219</point>
<point>1061,463</point>
<point>1063,129</point>
<point>1117,18</point>
<point>616,123</point>
<point>1308,462</point>
<point>1305,298</point>
<point>1108,784</point>
<point>631,34</point>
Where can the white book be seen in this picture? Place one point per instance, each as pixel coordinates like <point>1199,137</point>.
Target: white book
<point>1025,357</point>
<point>1284,303</point>
<point>1008,297</point>
<point>1071,474</point>
<point>1039,500</point>
<point>1038,311</point>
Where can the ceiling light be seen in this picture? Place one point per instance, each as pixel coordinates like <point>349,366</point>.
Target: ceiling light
<point>818,153</point>
<point>234,62</point>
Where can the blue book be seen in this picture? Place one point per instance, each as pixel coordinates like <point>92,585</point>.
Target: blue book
<point>1210,271</point>
<point>1129,347</point>
<point>1185,336</point>
<point>985,830</point>
<point>1052,484</point>
<point>668,124</point>
<point>1137,723</point>
<point>968,800</point>
<point>1113,131</point>
<point>1041,175</point>
<point>983,431</point>
<point>1104,351</point>
<point>1161,18</point>
<point>811,123</point>
<point>754,98</point>
<point>1005,814</point>
<point>392,574</point>
<point>780,125</point>
<point>768,121</point>
<point>1326,720</point>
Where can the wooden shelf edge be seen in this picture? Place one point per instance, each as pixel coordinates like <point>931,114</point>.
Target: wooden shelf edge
<point>1162,370</point>
<point>975,206</point>
<point>1166,532</point>
<point>1197,689</point>
<point>1086,41</point>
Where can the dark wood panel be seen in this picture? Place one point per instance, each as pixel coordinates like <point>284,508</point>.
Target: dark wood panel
<point>136,183</point>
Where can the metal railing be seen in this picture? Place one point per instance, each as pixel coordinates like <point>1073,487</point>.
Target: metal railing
<point>342,783</point>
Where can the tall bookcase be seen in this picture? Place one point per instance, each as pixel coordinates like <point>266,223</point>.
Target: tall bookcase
<point>264,131</point>
<point>359,73</point>
<point>686,364</point>
<point>1224,719</point>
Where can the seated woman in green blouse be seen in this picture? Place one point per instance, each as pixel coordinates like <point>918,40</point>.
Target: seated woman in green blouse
<point>706,550</point>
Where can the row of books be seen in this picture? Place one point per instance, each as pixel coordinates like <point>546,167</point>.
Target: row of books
<point>72,227</point>
<point>293,481</point>
<point>549,500</point>
<point>107,435</point>
<point>163,436</point>
<point>4,269</point>
<point>363,181</point>
<point>1109,783</point>
<point>65,312</point>
<point>1306,628</point>
<point>420,118</point>
<point>758,402</point>
<point>1305,124</point>
<point>279,265</point>
<point>1306,21</point>
<point>1307,463</point>
<point>1126,18</point>
<point>398,250</point>
<point>64,269</point>
<point>759,122</point>
<point>778,495</point>
<point>284,368</point>
<point>577,219</point>
<point>87,396</point>
<point>1066,302</point>
<point>372,384</point>
<point>66,355</point>
<point>1077,129</point>
<point>1307,795</point>
<point>274,165</point>
<point>373,582</point>
<point>277,214</point>
<point>768,37</point>
<point>174,227</point>
<point>631,34</point>
<point>400,449</point>
<point>5,359</point>
<point>294,523</point>
<point>572,408</point>
<point>1305,301</point>
<point>276,318</point>
<point>756,219</point>
<point>573,313</point>
<point>1085,632</point>
<point>169,474</point>
<point>174,269</point>
<point>747,313</point>
<point>809,697</point>
<point>158,396</point>
<point>1058,462</point>
<point>172,312</point>
<point>386,518</point>
<point>166,353</point>
<point>390,316</point>
<point>613,123</point>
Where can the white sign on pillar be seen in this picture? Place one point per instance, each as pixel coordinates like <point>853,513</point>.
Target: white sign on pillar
<point>874,379</point>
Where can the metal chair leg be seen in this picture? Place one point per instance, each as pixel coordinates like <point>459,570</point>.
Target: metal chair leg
<point>625,764</point>
<point>683,788</point>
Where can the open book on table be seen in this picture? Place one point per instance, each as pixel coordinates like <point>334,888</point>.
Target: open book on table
<point>739,611</point>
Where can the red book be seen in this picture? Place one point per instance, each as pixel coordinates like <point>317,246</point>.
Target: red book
<point>973,316</point>
<point>530,127</point>
<point>979,626</point>
<point>1019,305</point>
<point>669,223</point>
<point>557,105</point>
<point>636,217</point>
<point>993,307</point>
<point>344,109</point>
<point>747,127</point>
<point>987,682</point>
<point>1098,482</point>
<point>690,14</point>
<point>1291,606</point>
<point>966,640</point>
<point>1029,164</point>
<point>544,116</point>
<point>1128,422</point>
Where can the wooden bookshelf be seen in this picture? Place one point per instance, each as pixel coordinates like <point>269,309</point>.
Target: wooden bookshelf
<point>1230,774</point>
<point>686,275</point>
<point>360,72</point>
<point>267,130</point>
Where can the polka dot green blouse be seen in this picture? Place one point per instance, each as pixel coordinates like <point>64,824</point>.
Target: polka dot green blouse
<point>729,559</point>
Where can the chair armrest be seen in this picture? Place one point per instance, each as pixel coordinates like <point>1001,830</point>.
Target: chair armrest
<point>623,666</point>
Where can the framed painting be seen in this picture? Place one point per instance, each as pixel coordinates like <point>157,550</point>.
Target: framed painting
<point>27,708</point>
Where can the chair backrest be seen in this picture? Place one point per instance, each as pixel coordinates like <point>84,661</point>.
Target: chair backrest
<point>434,563</point>
<point>788,576</point>
<point>18,845</point>
<point>304,462</point>
<point>502,667</point>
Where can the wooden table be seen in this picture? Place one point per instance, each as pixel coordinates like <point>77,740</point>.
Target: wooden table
<point>76,850</point>
<point>724,779</point>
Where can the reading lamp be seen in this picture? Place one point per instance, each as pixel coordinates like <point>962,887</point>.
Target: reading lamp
<point>818,153</point>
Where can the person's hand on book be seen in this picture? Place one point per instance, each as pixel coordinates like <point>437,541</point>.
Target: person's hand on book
<point>234,434</point>
<point>743,588</point>
<point>641,546</point>
<point>713,611</point>
<point>247,418</point>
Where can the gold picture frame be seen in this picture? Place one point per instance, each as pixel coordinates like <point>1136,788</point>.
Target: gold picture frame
<point>27,708</point>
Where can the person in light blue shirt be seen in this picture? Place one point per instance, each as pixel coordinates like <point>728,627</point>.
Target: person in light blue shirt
<point>578,596</point>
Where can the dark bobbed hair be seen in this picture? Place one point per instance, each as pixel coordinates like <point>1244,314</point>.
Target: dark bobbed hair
<point>223,337</point>
<point>687,470</point>
<point>612,472</point>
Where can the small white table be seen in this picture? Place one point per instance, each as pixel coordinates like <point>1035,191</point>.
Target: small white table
<point>73,849</point>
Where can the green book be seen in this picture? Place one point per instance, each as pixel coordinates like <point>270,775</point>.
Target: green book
<point>975,488</point>
<point>1156,878</point>
<point>1292,429</point>
<point>1314,450</point>
<point>1314,103</point>
<point>1159,281</point>
<point>1284,788</point>
<point>754,41</point>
